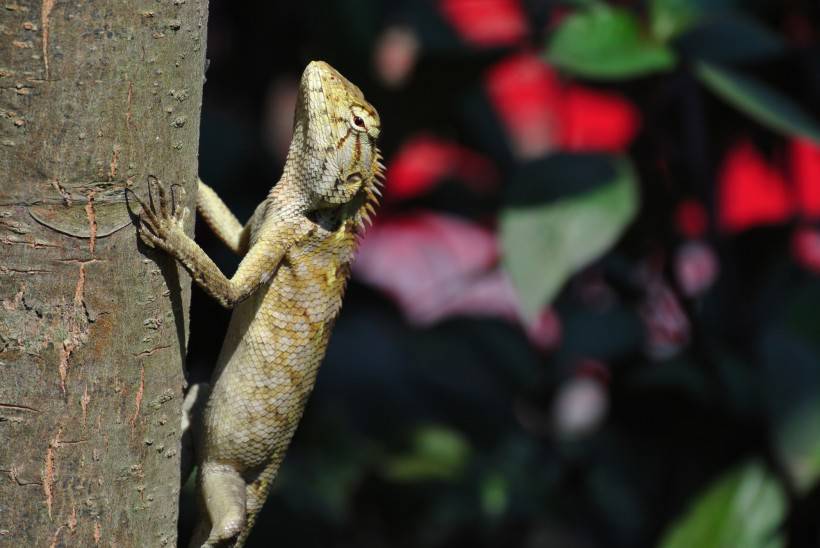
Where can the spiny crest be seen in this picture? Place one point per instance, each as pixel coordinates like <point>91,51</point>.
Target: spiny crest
<point>372,192</point>
<point>367,201</point>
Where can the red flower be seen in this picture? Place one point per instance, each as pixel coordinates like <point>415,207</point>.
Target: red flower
<point>424,161</point>
<point>805,171</point>
<point>750,191</point>
<point>596,121</point>
<point>527,96</point>
<point>486,23</point>
<point>540,113</point>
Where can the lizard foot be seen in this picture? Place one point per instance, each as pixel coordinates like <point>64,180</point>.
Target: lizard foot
<point>223,491</point>
<point>160,218</point>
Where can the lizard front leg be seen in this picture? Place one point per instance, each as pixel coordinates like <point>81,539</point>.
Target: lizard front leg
<point>161,227</point>
<point>223,223</point>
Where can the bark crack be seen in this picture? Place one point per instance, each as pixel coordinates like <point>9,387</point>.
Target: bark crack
<point>45,14</point>
<point>19,407</point>
<point>92,216</point>
<point>138,398</point>
<point>49,470</point>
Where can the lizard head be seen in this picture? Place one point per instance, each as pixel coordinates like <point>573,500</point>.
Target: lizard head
<point>338,130</point>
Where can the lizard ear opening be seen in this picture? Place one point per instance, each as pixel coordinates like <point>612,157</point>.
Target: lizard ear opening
<point>351,185</point>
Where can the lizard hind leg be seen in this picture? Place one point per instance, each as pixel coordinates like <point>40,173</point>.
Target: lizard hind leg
<point>191,426</point>
<point>257,492</point>
<point>255,500</point>
<point>223,492</point>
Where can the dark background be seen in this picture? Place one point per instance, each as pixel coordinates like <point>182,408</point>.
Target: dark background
<point>674,360</point>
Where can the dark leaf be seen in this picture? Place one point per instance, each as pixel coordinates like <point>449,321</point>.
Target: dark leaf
<point>792,382</point>
<point>762,103</point>
<point>730,38</point>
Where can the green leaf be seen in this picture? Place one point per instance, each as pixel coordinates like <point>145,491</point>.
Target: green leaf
<point>545,241</point>
<point>438,453</point>
<point>759,101</point>
<point>605,42</point>
<point>744,507</point>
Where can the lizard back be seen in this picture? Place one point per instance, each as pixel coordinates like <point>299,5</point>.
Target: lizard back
<point>273,348</point>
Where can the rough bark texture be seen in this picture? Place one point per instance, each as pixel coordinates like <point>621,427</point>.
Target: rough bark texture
<point>94,96</point>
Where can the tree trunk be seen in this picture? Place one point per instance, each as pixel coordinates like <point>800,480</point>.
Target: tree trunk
<point>95,97</point>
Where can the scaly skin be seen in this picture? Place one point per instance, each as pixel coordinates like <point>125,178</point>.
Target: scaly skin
<point>286,293</point>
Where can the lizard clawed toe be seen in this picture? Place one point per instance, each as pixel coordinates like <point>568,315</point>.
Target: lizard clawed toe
<point>159,218</point>
<point>147,238</point>
<point>156,187</point>
<point>179,212</point>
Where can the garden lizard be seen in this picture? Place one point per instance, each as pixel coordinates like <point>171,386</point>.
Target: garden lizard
<point>286,293</point>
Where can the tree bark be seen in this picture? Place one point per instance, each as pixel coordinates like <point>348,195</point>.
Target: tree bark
<point>95,97</point>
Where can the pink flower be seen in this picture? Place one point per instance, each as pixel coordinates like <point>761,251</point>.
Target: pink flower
<point>438,266</point>
<point>395,55</point>
<point>667,327</point>
<point>696,268</point>
<point>806,248</point>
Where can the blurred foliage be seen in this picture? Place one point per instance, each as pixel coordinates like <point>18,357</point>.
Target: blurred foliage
<point>566,234</point>
<point>587,314</point>
<point>743,509</point>
<point>758,101</point>
<point>606,42</point>
<point>437,454</point>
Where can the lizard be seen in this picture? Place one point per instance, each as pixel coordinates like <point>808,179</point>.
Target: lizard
<point>286,293</point>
